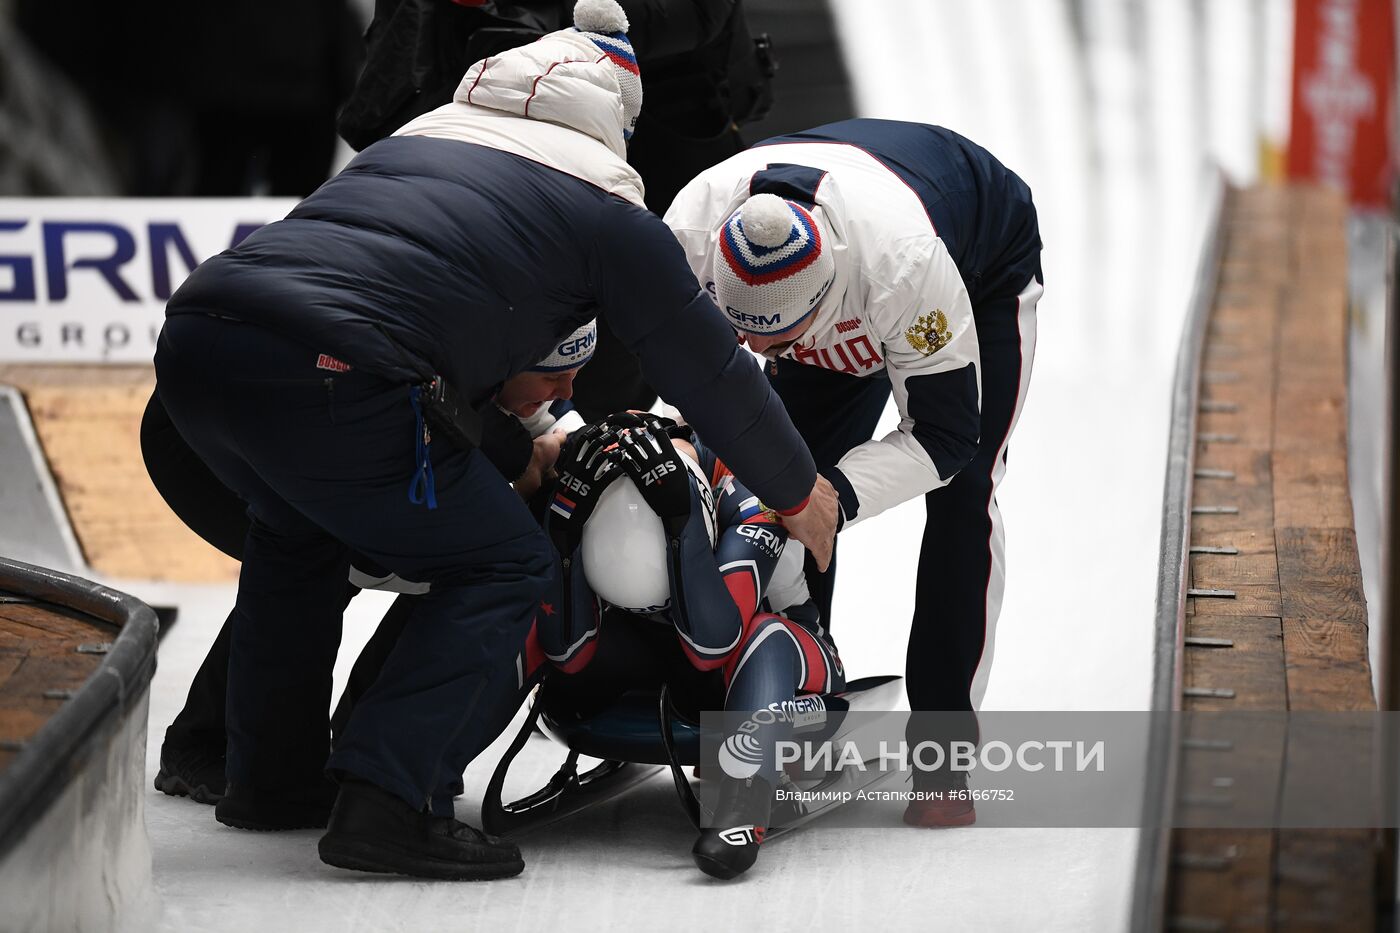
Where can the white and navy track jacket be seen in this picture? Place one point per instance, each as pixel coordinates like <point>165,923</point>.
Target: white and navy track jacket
<point>923,224</point>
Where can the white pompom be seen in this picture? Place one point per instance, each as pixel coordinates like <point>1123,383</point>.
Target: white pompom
<point>767,220</point>
<point>599,16</point>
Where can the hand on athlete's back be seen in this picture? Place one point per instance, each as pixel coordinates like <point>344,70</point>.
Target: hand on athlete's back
<point>815,525</point>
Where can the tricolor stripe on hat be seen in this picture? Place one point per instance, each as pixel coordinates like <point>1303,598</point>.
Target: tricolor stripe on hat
<point>756,264</point>
<point>773,268</point>
<point>605,24</point>
<point>618,50</point>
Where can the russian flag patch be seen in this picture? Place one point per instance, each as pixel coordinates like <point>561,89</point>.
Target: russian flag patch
<point>563,506</point>
<point>750,507</point>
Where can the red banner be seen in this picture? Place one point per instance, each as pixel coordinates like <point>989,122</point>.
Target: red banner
<point>1343,77</point>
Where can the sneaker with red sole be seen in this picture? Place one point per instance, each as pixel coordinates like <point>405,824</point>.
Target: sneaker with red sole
<point>941,810</point>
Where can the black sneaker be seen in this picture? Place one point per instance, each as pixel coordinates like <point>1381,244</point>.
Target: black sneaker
<point>196,772</point>
<point>730,847</point>
<point>265,811</point>
<point>373,830</point>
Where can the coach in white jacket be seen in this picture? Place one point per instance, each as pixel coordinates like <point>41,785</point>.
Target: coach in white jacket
<point>872,256</point>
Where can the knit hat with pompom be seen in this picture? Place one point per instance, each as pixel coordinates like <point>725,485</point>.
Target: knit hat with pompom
<point>773,268</point>
<point>604,22</point>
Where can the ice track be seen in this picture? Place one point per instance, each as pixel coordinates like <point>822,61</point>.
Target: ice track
<point>1101,107</point>
<point>626,862</point>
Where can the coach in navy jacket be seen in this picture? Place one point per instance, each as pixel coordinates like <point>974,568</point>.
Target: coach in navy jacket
<point>465,246</point>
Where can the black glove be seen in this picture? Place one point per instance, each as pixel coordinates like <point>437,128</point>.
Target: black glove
<point>617,421</point>
<point>659,425</point>
<point>586,466</point>
<point>651,462</point>
<point>504,441</point>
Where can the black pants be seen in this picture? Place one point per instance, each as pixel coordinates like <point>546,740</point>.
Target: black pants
<point>324,460</point>
<point>220,517</point>
<point>196,496</point>
<point>212,511</point>
<point>957,590</point>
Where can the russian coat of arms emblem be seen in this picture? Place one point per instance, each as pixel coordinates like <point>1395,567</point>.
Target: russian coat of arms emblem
<point>929,333</point>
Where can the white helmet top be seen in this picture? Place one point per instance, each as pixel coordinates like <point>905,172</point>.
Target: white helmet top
<point>624,545</point>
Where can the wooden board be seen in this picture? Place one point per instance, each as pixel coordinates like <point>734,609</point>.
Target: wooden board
<point>38,655</point>
<point>88,420</point>
<point>1273,416</point>
<point>1223,874</point>
<point>1325,880</point>
<point>1253,667</point>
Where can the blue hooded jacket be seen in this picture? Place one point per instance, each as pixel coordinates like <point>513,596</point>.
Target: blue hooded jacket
<point>484,233</point>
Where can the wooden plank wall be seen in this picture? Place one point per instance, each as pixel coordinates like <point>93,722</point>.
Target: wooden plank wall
<point>88,419</point>
<point>1271,492</point>
<point>40,665</point>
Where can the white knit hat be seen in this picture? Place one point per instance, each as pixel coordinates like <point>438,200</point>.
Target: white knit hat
<point>571,352</point>
<point>604,22</point>
<point>773,267</point>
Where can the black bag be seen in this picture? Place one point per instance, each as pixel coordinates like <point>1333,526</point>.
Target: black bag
<point>704,91</point>
<point>418,51</point>
<point>752,66</point>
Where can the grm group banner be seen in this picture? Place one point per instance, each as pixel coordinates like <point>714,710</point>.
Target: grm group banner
<point>86,280</point>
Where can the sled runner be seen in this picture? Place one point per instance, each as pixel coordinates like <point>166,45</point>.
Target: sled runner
<point>641,733</point>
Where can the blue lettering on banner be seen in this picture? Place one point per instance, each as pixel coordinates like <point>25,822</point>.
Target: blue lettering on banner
<point>241,232</point>
<point>164,236</point>
<point>87,279</point>
<point>56,265</point>
<point>22,286</point>
<point>59,264</point>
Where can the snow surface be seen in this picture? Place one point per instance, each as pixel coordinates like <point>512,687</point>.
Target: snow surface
<point>1109,117</point>
<point>626,863</point>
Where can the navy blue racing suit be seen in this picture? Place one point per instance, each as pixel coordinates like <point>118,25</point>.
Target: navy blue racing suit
<point>741,632</point>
